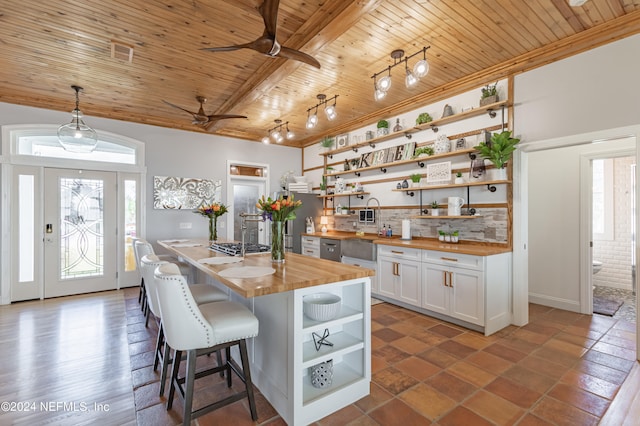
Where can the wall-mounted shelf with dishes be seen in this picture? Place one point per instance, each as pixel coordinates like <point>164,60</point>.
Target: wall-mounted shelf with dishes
<point>433,125</point>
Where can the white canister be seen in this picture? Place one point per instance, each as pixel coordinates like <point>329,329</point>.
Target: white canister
<point>442,144</point>
<point>454,204</point>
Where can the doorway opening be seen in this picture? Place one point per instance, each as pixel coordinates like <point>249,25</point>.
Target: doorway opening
<point>613,236</point>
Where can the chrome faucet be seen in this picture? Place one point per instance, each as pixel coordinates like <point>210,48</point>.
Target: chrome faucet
<point>248,217</point>
<point>378,217</point>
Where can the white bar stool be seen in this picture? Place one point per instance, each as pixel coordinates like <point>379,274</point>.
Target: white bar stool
<point>201,330</point>
<point>202,293</point>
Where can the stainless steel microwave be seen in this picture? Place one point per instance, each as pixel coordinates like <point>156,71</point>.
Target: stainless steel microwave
<point>367,215</point>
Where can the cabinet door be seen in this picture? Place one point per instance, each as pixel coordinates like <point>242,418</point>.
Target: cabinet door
<point>408,287</point>
<point>435,290</point>
<point>467,295</point>
<point>387,272</point>
<point>369,264</point>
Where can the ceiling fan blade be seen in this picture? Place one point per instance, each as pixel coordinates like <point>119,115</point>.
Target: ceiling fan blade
<point>179,107</point>
<point>269,11</point>
<point>288,53</point>
<point>228,48</point>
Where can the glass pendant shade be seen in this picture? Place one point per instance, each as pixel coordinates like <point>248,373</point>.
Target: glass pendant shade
<point>421,68</point>
<point>77,136</point>
<point>410,80</point>
<point>330,112</point>
<point>312,121</point>
<point>384,83</point>
<point>265,140</point>
<point>290,134</point>
<point>379,95</point>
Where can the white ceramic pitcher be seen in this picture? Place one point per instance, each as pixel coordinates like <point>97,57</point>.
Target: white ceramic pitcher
<point>454,204</point>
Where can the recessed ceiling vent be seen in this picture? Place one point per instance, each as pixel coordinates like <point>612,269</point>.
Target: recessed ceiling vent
<point>121,51</point>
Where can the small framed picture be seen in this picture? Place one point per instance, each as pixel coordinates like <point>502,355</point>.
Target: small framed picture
<point>342,140</point>
<point>461,144</point>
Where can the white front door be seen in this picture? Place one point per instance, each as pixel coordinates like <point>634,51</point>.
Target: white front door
<point>80,232</point>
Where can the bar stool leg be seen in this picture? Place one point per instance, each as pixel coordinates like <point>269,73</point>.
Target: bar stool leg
<point>247,378</point>
<point>190,378</point>
<point>177,358</point>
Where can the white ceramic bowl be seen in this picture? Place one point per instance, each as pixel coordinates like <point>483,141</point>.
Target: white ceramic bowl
<point>321,306</point>
<point>300,179</point>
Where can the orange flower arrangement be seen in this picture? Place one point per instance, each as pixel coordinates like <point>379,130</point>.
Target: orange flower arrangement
<point>280,209</point>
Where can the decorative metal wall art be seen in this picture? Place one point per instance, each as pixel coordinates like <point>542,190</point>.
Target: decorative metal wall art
<point>171,192</point>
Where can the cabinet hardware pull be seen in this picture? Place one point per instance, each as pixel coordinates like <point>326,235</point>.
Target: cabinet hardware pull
<point>451,279</point>
<point>444,278</point>
<point>450,259</point>
<point>396,269</point>
<point>397,252</point>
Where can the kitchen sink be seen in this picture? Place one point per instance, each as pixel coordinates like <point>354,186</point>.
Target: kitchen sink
<point>359,248</point>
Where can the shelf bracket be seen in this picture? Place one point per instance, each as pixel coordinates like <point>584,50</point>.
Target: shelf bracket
<point>372,145</point>
<point>472,156</point>
<point>424,211</point>
<point>361,196</point>
<point>434,128</point>
<point>357,173</point>
<point>354,149</point>
<point>491,188</point>
<point>421,163</point>
<point>491,113</point>
<point>411,193</point>
<point>383,170</point>
<point>408,135</point>
<point>330,155</point>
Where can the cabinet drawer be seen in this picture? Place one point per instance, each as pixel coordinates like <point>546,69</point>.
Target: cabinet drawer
<point>311,251</point>
<point>453,259</point>
<point>310,242</point>
<point>399,252</point>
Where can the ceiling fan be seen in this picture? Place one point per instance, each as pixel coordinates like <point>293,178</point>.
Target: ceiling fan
<point>202,119</point>
<point>267,43</point>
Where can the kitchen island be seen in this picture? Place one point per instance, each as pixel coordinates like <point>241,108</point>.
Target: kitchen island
<point>284,349</point>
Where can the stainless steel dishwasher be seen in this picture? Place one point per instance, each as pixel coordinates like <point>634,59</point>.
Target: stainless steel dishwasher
<point>330,249</point>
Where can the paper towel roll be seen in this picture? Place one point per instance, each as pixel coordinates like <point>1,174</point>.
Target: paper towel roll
<point>406,229</point>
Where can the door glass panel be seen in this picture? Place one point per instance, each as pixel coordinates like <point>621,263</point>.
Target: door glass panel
<point>81,237</point>
<point>26,209</point>
<point>130,224</point>
<point>245,198</point>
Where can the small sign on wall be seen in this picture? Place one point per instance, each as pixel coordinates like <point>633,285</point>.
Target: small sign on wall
<point>439,172</point>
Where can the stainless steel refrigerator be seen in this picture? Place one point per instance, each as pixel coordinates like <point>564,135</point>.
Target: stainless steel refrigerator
<point>311,207</point>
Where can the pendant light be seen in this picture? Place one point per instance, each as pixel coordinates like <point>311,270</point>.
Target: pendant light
<point>77,136</point>
<point>410,80</point>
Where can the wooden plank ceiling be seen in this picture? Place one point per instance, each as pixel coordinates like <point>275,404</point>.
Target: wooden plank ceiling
<point>46,46</point>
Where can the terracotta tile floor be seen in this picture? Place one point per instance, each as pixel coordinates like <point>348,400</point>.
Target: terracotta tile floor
<point>562,368</point>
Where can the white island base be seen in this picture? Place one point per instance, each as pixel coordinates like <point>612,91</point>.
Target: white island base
<point>284,350</point>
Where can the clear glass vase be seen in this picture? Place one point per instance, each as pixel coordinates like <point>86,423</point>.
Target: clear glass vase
<point>277,242</point>
<point>213,229</point>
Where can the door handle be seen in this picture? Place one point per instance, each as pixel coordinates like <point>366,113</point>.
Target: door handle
<point>450,279</point>
<point>397,252</point>
<point>450,259</point>
<point>396,269</point>
<point>444,278</point>
<point>49,228</point>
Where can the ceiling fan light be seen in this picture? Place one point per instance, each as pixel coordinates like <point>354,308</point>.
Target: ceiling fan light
<point>384,83</point>
<point>421,68</point>
<point>410,80</point>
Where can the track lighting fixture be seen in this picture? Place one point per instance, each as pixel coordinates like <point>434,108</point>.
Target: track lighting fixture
<point>276,132</point>
<point>329,110</point>
<point>420,69</point>
<point>77,136</point>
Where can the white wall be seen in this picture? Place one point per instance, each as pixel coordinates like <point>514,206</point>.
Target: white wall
<point>174,153</point>
<point>594,93</point>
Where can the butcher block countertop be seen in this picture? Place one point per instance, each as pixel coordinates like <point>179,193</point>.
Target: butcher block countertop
<point>296,272</point>
<point>463,247</point>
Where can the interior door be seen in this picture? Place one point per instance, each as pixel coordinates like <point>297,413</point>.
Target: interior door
<point>80,232</point>
<point>246,193</point>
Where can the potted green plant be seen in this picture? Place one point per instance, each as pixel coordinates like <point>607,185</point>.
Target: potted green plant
<point>423,118</point>
<point>327,142</point>
<point>498,151</point>
<point>489,94</point>
<point>458,179</point>
<point>323,186</point>
<point>383,127</point>
<point>440,235</point>
<point>415,179</point>
<point>455,236</point>
<point>422,151</point>
<point>434,209</point>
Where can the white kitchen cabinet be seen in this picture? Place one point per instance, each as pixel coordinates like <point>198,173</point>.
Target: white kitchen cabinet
<point>400,274</point>
<point>310,246</point>
<point>453,291</point>
<point>470,290</point>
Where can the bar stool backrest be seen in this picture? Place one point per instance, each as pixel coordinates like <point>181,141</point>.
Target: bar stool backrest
<point>148,265</point>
